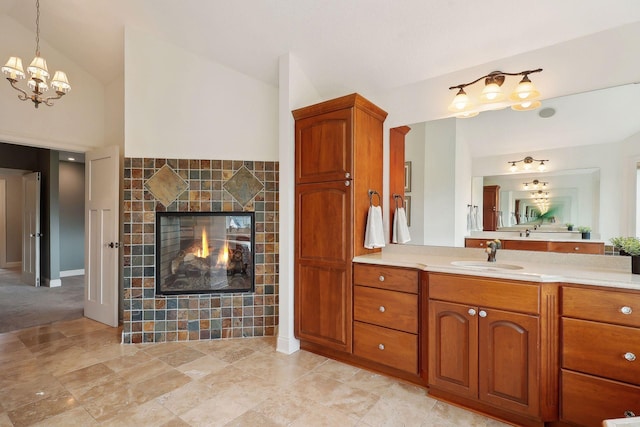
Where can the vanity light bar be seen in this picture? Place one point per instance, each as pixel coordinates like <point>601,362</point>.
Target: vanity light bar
<point>527,163</point>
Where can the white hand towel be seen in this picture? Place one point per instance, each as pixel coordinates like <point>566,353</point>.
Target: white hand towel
<point>400,228</point>
<point>374,234</point>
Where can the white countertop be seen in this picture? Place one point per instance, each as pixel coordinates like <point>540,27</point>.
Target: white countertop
<point>598,270</point>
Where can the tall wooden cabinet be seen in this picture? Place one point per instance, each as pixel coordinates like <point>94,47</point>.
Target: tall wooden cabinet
<point>338,153</point>
<point>490,206</point>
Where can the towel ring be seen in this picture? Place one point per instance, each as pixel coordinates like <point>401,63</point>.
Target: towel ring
<point>396,197</point>
<point>374,193</point>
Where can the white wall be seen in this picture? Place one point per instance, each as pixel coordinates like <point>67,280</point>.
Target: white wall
<point>180,105</point>
<point>295,91</point>
<point>74,122</point>
<point>114,113</point>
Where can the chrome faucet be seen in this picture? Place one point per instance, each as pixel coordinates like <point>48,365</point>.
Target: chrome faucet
<point>492,248</point>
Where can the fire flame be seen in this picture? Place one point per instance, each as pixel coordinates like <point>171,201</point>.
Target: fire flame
<point>223,255</point>
<point>204,252</point>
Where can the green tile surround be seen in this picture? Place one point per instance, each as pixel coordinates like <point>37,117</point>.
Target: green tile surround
<point>151,318</point>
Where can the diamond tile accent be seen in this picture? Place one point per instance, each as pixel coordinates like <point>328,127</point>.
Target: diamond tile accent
<point>243,186</point>
<point>166,185</point>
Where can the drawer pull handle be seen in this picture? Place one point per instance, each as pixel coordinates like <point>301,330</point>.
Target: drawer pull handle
<point>472,312</point>
<point>382,309</point>
<point>626,310</point>
<point>380,346</point>
<point>381,278</point>
<point>629,414</point>
<point>630,356</point>
<point>576,248</point>
<point>482,313</point>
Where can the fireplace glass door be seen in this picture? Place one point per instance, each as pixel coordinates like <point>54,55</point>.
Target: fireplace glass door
<point>204,252</point>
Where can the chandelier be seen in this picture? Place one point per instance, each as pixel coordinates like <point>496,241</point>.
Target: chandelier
<point>522,98</point>
<point>39,74</point>
<point>527,164</point>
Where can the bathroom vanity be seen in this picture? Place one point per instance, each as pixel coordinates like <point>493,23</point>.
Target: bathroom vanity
<point>531,339</point>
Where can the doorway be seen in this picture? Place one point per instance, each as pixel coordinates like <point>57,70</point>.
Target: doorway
<point>60,298</point>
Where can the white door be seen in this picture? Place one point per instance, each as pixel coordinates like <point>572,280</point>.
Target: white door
<point>102,193</point>
<point>31,229</point>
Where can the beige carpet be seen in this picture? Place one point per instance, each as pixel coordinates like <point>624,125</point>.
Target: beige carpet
<point>24,306</point>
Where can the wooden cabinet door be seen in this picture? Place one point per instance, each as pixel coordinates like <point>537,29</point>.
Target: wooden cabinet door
<point>490,206</point>
<point>453,348</point>
<point>508,355</point>
<point>323,253</point>
<point>324,147</point>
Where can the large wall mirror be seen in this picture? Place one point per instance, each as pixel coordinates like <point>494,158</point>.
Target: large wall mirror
<point>592,144</point>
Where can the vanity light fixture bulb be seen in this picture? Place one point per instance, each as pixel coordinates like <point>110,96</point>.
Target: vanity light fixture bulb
<point>513,167</point>
<point>541,166</point>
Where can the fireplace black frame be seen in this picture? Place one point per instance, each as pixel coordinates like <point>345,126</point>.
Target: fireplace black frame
<point>158,260</point>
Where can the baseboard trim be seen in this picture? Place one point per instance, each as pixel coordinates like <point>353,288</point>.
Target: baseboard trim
<point>69,273</point>
<point>52,283</point>
<point>287,345</point>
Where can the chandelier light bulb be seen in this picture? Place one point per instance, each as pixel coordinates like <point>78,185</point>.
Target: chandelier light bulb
<point>13,68</point>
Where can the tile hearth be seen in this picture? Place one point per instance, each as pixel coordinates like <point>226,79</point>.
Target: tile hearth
<point>77,373</point>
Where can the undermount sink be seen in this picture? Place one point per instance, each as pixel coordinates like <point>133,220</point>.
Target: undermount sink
<point>485,265</point>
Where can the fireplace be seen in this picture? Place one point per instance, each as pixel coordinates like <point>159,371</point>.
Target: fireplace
<point>204,252</point>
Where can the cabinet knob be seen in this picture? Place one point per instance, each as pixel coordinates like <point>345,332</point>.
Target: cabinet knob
<point>380,346</point>
<point>472,312</point>
<point>382,309</point>
<point>347,175</point>
<point>482,313</point>
<point>626,310</point>
<point>629,414</point>
<point>347,183</point>
<point>381,278</point>
<point>577,248</point>
<point>630,356</point>
<point>481,244</point>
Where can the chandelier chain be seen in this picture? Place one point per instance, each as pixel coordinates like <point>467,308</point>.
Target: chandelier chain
<point>37,27</point>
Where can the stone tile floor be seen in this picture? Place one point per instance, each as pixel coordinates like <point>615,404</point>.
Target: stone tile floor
<point>76,373</point>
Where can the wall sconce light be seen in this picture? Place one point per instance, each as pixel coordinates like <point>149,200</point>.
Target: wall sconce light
<point>535,183</point>
<point>527,164</point>
<point>521,99</point>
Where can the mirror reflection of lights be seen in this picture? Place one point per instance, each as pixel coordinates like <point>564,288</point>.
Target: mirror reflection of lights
<point>535,184</point>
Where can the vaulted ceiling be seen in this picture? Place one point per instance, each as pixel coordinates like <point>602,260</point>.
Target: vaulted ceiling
<point>361,45</point>
<point>348,46</point>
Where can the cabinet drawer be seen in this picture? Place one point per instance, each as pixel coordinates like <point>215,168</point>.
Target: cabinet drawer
<point>604,306</point>
<point>526,245</point>
<point>379,276</point>
<point>579,247</point>
<point>488,293</point>
<point>610,351</point>
<point>390,309</point>
<point>386,346</point>
<point>475,243</point>
<point>587,400</point>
